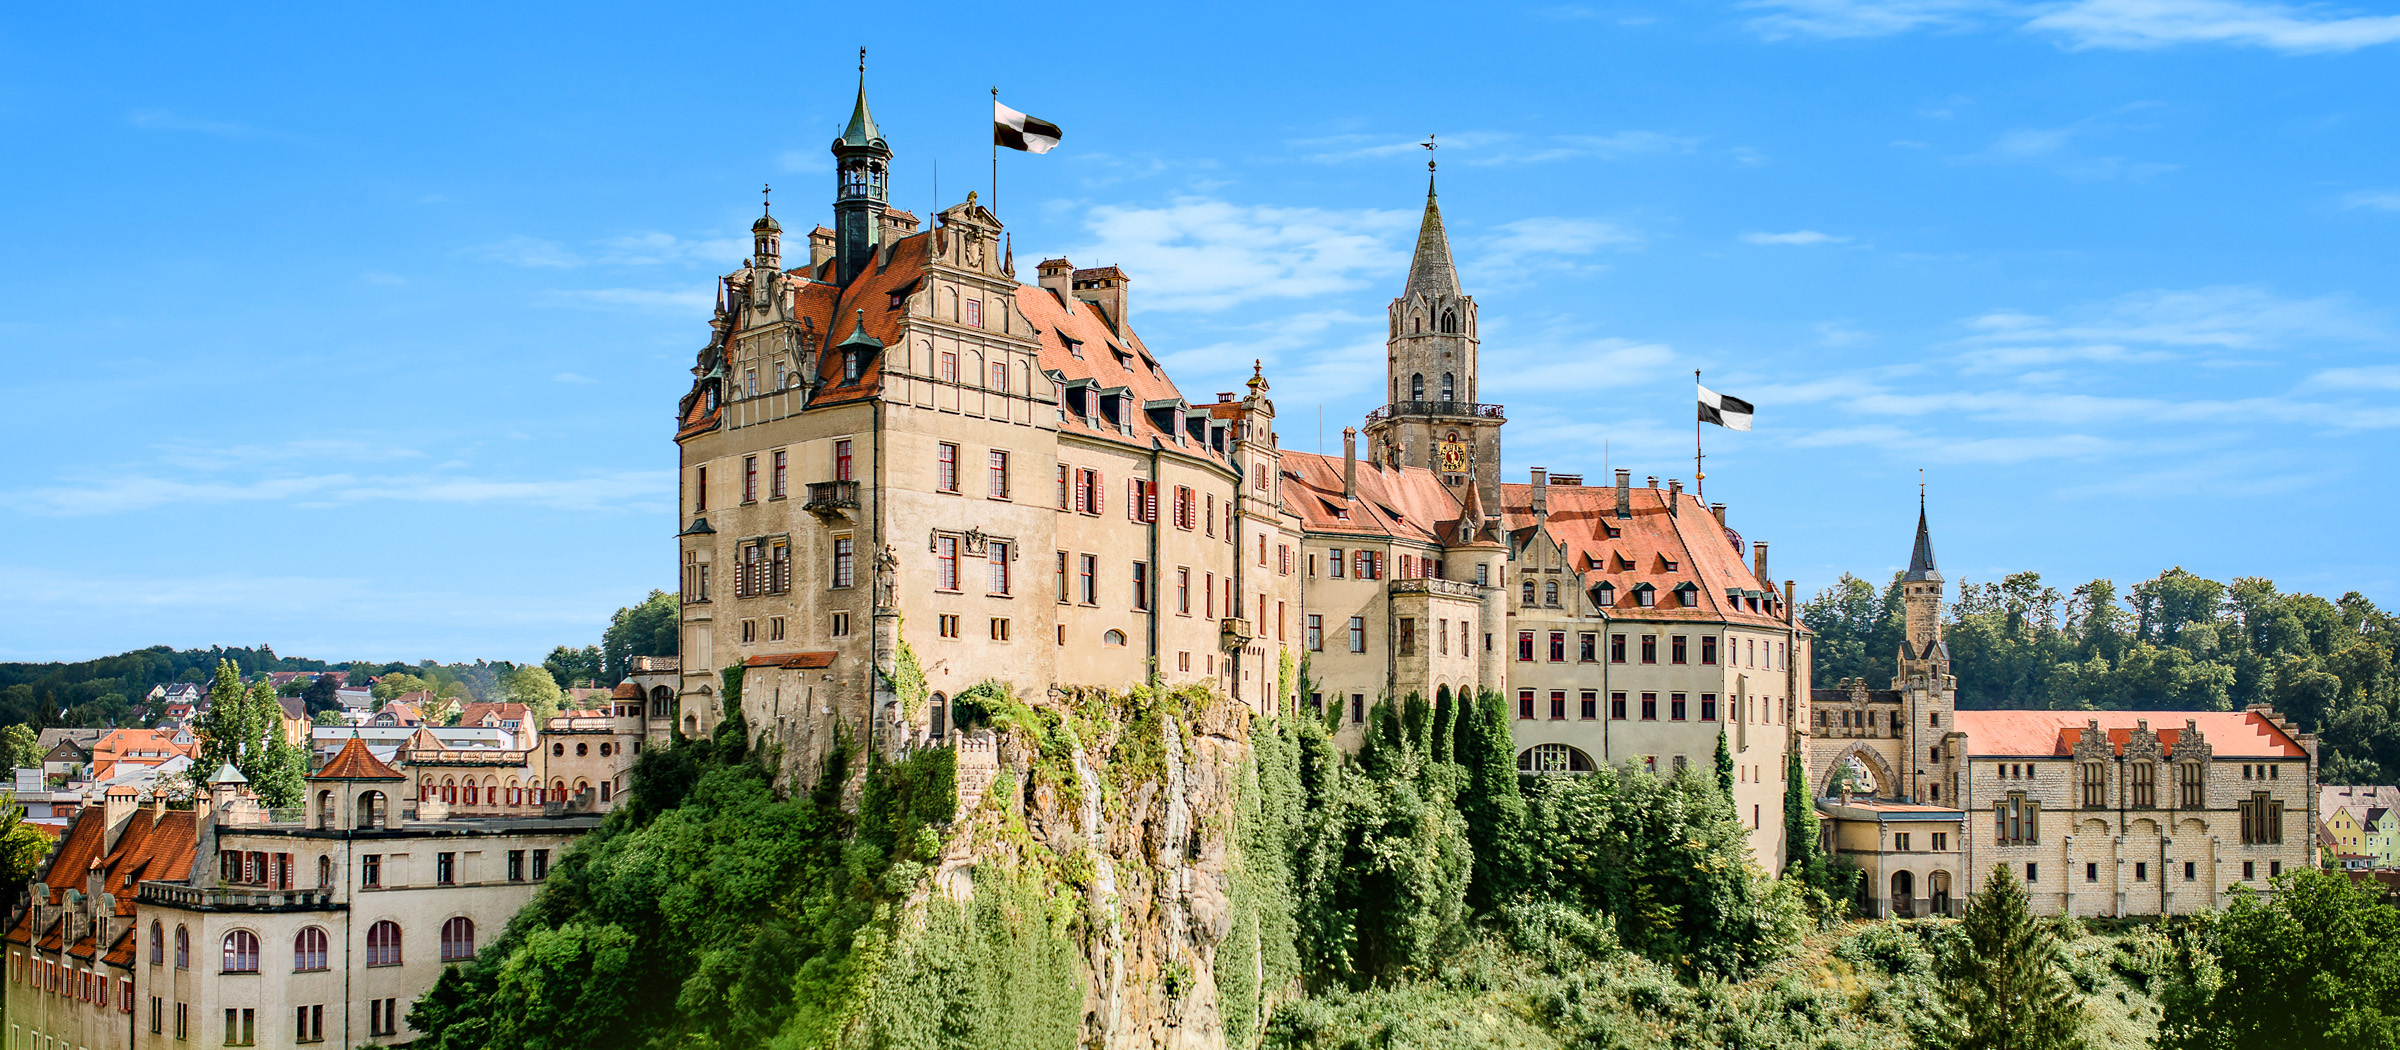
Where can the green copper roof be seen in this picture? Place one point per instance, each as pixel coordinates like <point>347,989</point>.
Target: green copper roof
<point>862,131</point>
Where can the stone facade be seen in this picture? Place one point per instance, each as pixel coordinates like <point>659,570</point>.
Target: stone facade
<point>896,442</point>
<point>2098,813</point>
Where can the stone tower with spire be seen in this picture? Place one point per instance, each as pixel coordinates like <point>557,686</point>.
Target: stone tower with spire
<point>862,164</point>
<point>1928,692</point>
<point>1433,419</point>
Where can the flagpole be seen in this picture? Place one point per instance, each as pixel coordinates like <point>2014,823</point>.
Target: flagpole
<point>995,209</point>
<point>1699,479</point>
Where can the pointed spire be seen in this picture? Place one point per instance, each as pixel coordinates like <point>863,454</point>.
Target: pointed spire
<point>1430,271</point>
<point>862,131</point>
<point>1920,561</point>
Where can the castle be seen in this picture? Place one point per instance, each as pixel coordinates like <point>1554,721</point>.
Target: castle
<point>2098,813</point>
<point>891,440</point>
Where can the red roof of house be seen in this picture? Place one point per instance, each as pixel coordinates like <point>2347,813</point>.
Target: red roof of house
<point>1403,503</point>
<point>2230,734</point>
<point>1653,546</point>
<point>355,762</point>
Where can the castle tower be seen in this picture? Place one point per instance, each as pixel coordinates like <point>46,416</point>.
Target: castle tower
<point>1921,594</point>
<point>1929,695</point>
<point>1432,419</point>
<point>862,180</point>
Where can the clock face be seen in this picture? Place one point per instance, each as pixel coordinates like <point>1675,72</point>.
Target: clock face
<point>1452,456</point>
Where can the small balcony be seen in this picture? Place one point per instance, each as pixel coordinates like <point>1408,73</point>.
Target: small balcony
<point>831,497</point>
<point>1234,633</point>
<point>235,898</point>
<point>1460,409</point>
<point>1431,585</point>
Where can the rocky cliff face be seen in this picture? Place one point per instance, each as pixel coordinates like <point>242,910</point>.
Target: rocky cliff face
<point>1125,811</point>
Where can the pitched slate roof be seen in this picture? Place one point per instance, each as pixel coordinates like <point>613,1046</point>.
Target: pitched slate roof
<point>2053,734</point>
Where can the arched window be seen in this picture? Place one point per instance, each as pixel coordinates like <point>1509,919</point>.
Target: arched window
<point>183,949</point>
<point>326,814</point>
<point>458,939</point>
<point>662,702</point>
<point>1113,638</point>
<point>427,792</point>
<point>383,943</point>
<point>1449,320</point>
<point>1449,389</point>
<point>1416,387</point>
<point>1528,593</point>
<point>325,872</point>
<point>1550,592</point>
<point>471,794</point>
<point>937,717</point>
<point>1553,758</point>
<point>558,791</point>
<point>308,949</point>
<point>241,952</point>
<point>158,943</point>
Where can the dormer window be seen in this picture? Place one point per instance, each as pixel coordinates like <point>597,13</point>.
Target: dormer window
<point>1074,348</point>
<point>1624,564</point>
<point>853,362</point>
<point>1667,564</point>
<point>1605,595</point>
<point>1687,596</point>
<point>1645,595</point>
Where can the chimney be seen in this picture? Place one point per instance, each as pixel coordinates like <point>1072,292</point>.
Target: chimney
<point>1624,493</point>
<point>1103,287</point>
<point>1758,555</point>
<point>1349,463</point>
<point>1653,481</point>
<point>1541,494</point>
<point>1788,607</point>
<point>1675,496</point>
<point>820,247</point>
<point>1057,276</point>
<point>1718,509</point>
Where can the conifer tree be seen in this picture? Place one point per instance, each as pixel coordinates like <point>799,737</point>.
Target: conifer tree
<point>1799,819</point>
<point>225,725</point>
<point>1724,768</point>
<point>1489,800</point>
<point>2005,980</point>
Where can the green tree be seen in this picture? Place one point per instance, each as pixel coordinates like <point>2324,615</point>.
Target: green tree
<point>568,665</point>
<point>2005,981</point>
<point>329,718</point>
<point>322,694</point>
<point>22,846</point>
<point>2315,964</point>
<point>536,689</point>
<point>24,747</point>
<point>1485,749</point>
<point>225,727</point>
<point>652,628</point>
<point>1725,767</point>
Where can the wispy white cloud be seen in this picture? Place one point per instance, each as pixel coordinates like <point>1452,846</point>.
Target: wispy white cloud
<point>650,248</point>
<point>530,252</point>
<point>193,456</point>
<point>2056,148</point>
<point>2231,318</point>
<point>1794,237</point>
<point>2083,24</point>
<point>164,120</point>
<point>633,298</point>
<point>2375,200</point>
<point>117,494</point>
<point>1547,242</point>
<point>1202,253</point>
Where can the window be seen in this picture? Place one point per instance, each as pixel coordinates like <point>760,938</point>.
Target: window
<point>1649,648</point>
<point>241,1026</point>
<point>946,368</point>
<point>1616,648</point>
<point>2141,871</point>
<point>999,474</point>
<point>1208,595</point>
<point>947,625</point>
<point>845,561</point>
<point>996,559</point>
<point>1358,634</point>
<point>308,949</point>
<point>999,382</point>
<point>999,628</point>
<point>308,1024</point>
<point>700,489</point>
<point>1675,649</point>
<point>776,481</point>
<point>749,479</point>
<point>158,944</point>
<point>1141,501</point>
<point>2188,785</point>
<point>1675,707</point>
<point>1063,487</point>
<point>1184,510</point>
<point>1900,842</point>
<point>183,949</point>
<point>1408,636</point>
<point>2095,785</point>
<point>2091,872</point>
<point>541,864</point>
<point>1708,649</point>
<point>1587,647</point>
<point>1649,707</point>
<point>1091,579</point>
<point>2249,870</point>
<point>1558,646</point>
<point>2262,820</point>
<point>1358,708</point>
<point>2033,872</point>
<point>1941,841</point>
<point>1333,559</point>
<point>241,952</point>
<point>1616,706</point>
<point>1087,491</point>
<point>1708,707</point>
<point>1550,592</point>
<point>445,865</point>
<point>1183,591</point>
<point>1558,705</point>
<point>841,460</point>
<point>2145,786</point>
<point>945,474</point>
<point>458,939</point>
<point>974,316</point>
<point>383,943</point>
<point>1113,638</point>
<point>516,865</point>
<point>1528,599</point>
<point>1141,588</point>
<point>1524,645</point>
<point>1208,517</point>
<point>840,628</point>
<point>383,1016</point>
<point>1316,632</point>
<point>1524,703</point>
<point>2191,871</point>
<point>945,563</point>
<point>2017,821</point>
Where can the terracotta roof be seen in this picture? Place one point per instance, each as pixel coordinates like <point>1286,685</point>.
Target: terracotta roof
<point>1403,503</point>
<point>792,661</point>
<point>2230,734</point>
<point>355,762</point>
<point>473,713</point>
<point>84,948</point>
<point>626,691</point>
<point>77,851</point>
<point>22,933</point>
<point>1701,550</point>
<point>153,846</point>
<point>1095,360</point>
<point>121,953</point>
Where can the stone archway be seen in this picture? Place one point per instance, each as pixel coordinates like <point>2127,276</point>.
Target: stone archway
<point>1887,781</point>
<point>1904,893</point>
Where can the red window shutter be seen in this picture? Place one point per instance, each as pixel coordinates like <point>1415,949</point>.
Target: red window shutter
<point>1149,502</point>
<point>1098,491</point>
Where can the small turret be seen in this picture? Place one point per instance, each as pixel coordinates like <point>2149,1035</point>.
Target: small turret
<point>862,174</point>
<point>766,236</point>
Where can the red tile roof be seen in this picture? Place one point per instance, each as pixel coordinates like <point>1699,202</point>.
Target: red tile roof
<point>1701,550</point>
<point>1404,503</point>
<point>120,954</point>
<point>355,762</point>
<point>1112,360</point>
<point>2230,734</point>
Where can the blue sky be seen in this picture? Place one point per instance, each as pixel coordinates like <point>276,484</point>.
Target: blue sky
<point>357,330</point>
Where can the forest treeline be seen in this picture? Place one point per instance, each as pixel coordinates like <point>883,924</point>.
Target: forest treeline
<point>2177,641</point>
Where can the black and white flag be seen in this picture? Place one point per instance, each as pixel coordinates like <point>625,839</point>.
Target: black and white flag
<point>1725,410</point>
<point>1017,131</point>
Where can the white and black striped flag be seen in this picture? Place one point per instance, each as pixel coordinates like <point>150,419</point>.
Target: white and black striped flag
<point>1019,132</point>
<point>1725,410</point>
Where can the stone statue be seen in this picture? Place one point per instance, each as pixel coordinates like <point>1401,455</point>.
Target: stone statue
<point>887,569</point>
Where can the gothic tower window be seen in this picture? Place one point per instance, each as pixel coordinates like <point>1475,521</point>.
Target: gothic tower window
<point>1449,320</point>
<point>2145,786</point>
<point>1449,386</point>
<point>2095,785</point>
<point>2188,786</point>
<point>1416,387</point>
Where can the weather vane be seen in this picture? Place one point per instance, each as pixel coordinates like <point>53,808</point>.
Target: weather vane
<point>862,60</point>
<point>1430,145</point>
<point>765,196</point>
